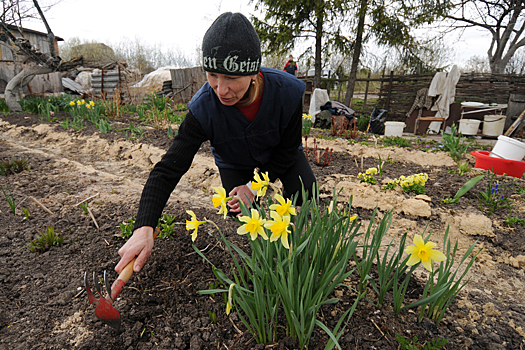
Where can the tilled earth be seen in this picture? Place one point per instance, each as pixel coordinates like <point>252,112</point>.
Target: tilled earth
<point>43,304</point>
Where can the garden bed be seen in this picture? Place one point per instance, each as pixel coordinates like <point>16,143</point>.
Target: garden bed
<point>43,305</point>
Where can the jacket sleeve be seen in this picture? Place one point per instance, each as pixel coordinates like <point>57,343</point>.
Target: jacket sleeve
<point>168,171</point>
<point>286,153</point>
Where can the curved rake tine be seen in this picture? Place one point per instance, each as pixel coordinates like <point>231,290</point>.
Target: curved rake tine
<point>91,297</point>
<point>97,286</point>
<point>108,287</point>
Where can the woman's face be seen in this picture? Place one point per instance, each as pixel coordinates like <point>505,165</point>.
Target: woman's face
<point>230,89</point>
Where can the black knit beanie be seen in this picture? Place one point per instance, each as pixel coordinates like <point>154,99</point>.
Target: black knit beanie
<point>231,46</point>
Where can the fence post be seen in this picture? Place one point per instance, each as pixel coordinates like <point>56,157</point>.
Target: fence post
<point>366,90</point>
<point>389,90</point>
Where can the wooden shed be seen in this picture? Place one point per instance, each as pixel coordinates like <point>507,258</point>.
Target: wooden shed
<point>41,84</point>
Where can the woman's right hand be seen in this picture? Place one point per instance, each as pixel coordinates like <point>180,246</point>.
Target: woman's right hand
<point>139,245</point>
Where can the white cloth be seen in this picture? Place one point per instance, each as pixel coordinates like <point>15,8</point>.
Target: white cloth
<point>437,84</point>
<point>448,93</point>
<point>318,99</point>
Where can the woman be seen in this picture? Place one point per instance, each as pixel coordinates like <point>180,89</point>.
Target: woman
<point>252,117</point>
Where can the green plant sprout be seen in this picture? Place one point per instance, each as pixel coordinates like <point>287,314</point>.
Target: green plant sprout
<point>9,197</point>
<point>463,190</point>
<point>166,224</point>
<point>47,240</point>
<point>84,207</point>
<point>213,317</point>
<point>512,221</point>
<point>26,213</point>
<point>435,344</point>
<point>13,166</point>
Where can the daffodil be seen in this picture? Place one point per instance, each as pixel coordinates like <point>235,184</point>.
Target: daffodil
<point>91,103</point>
<point>193,224</point>
<point>254,225</point>
<point>423,252</point>
<point>260,185</point>
<point>230,299</point>
<point>79,103</point>
<point>284,207</point>
<point>279,227</point>
<point>72,103</point>
<point>331,207</point>
<point>220,199</point>
<point>88,106</point>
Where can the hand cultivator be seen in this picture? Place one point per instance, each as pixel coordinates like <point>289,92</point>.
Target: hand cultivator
<point>105,310</point>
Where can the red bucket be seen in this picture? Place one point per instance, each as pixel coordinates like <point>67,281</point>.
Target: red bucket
<point>499,165</point>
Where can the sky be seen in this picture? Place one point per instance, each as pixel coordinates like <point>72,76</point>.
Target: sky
<point>178,25</point>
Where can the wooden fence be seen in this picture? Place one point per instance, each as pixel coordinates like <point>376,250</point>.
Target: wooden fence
<point>186,82</point>
<point>398,92</point>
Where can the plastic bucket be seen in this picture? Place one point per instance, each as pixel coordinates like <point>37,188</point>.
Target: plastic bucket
<point>469,126</point>
<point>498,165</point>
<point>394,128</point>
<point>508,148</point>
<point>493,125</point>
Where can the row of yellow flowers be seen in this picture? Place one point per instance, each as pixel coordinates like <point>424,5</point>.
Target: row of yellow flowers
<point>281,212</point>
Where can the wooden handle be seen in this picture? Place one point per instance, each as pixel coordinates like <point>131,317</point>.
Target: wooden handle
<point>126,273</point>
<point>515,125</point>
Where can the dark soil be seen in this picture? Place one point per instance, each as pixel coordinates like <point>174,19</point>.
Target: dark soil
<point>43,304</point>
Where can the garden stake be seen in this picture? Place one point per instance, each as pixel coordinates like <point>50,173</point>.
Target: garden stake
<point>105,310</point>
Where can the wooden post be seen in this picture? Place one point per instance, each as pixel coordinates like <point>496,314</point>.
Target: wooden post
<point>387,107</point>
<point>366,90</point>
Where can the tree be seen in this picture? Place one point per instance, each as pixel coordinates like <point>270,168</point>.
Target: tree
<point>503,19</point>
<point>391,25</point>
<point>287,22</point>
<point>36,62</point>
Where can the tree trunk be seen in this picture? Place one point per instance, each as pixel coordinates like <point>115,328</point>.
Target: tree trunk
<point>363,7</point>
<point>12,96</point>
<point>318,48</point>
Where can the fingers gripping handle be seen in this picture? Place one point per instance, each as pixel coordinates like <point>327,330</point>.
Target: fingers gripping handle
<point>126,274</point>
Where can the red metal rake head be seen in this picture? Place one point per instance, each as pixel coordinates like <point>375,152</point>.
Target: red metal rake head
<point>104,305</point>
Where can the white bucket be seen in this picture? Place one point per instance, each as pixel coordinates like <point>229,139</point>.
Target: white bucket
<point>493,125</point>
<point>394,128</point>
<point>508,148</point>
<point>469,126</point>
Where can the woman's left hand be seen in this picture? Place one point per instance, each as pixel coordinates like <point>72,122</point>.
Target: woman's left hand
<point>240,192</point>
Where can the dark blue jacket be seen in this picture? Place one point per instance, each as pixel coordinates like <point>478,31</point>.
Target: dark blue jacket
<point>238,143</point>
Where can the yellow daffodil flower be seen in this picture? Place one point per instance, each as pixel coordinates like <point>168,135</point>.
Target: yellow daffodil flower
<point>79,103</point>
<point>83,102</point>
<point>88,106</point>
<point>260,185</point>
<point>331,207</point>
<point>230,299</point>
<point>253,225</point>
<point>91,103</point>
<point>284,207</point>
<point>220,199</point>
<point>279,227</point>
<point>423,252</point>
<point>72,103</point>
<point>193,224</point>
